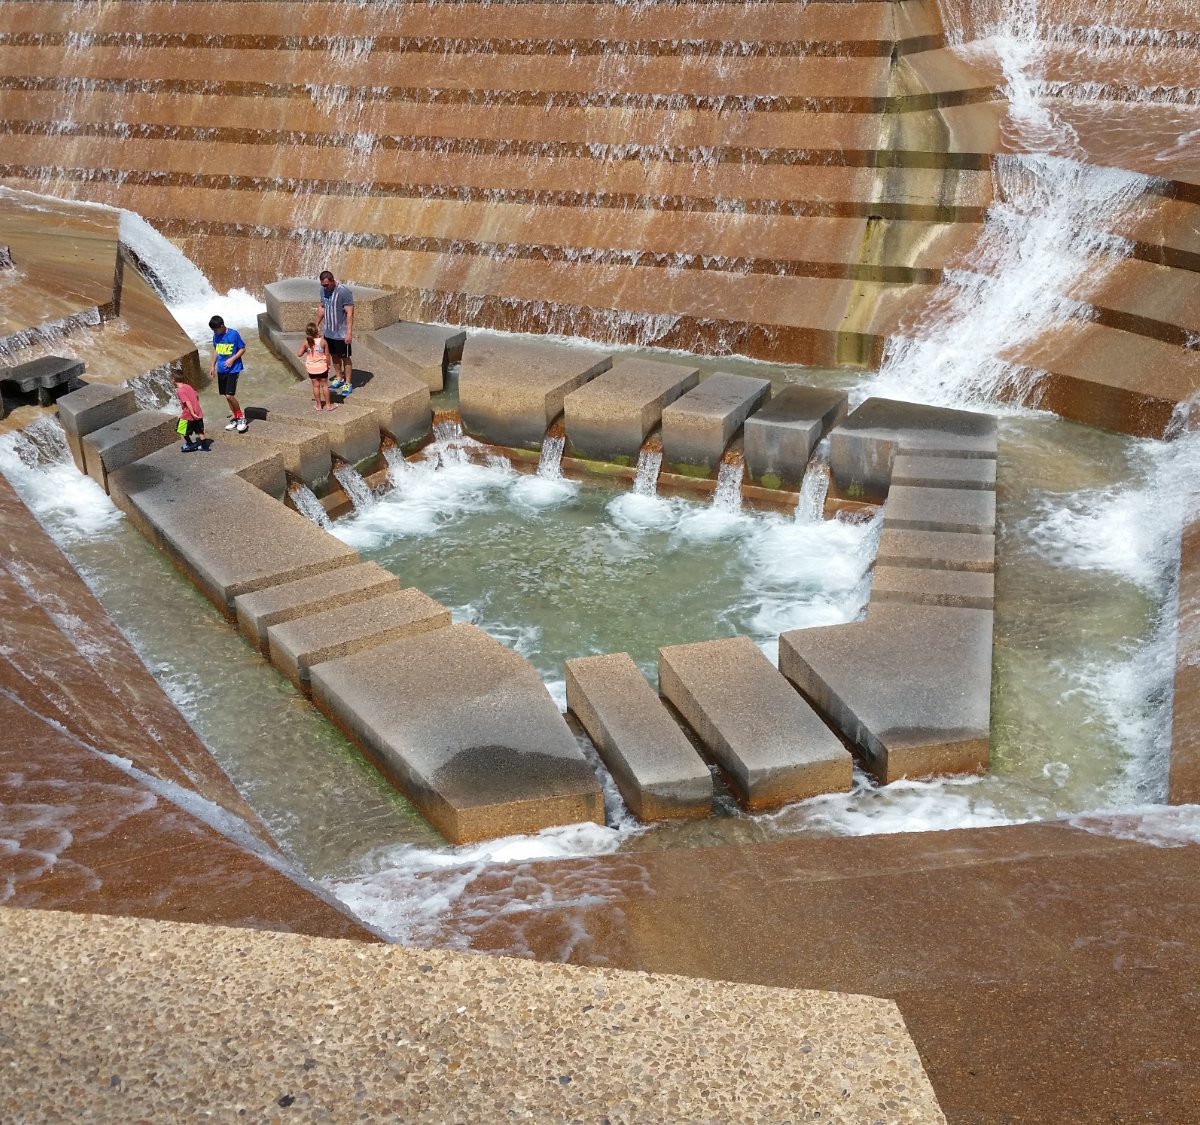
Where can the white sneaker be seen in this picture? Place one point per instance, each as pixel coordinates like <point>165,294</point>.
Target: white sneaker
<point>242,425</point>
<point>233,424</point>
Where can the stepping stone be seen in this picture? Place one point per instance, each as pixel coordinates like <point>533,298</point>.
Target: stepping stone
<point>909,687</point>
<point>863,447</point>
<point>91,408</point>
<point>936,550</point>
<point>771,744</point>
<point>465,727</point>
<point>283,344</point>
<point>944,472</point>
<point>353,430</point>
<point>509,391</point>
<point>940,509</point>
<point>697,427</point>
<point>779,439</point>
<point>968,589</point>
<point>297,645</point>
<point>609,418</point>
<point>231,454</point>
<point>45,374</point>
<point>127,440</point>
<point>399,401</point>
<point>304,449</point>
<point>420,350</point>
<point>294,302</point>
<point>656,768</point>
<point>347,585</point>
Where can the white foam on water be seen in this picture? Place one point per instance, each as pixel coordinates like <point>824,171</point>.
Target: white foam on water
<point>1173,826</point>
<point>536,493</point>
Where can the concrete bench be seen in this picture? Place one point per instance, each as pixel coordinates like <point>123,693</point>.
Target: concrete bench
<point>126,440</point>
<point>465,727</point>
<point>297,645</point>
<point>769,742</point>
<point>909,687</point>
<point>779,439</point>
<point>656,768</point>
<point>698,426</point>
<point>610,416</point>
<point>45,375</point>
<point>90,408</point>
<point>294,301</point>
<point>353,430</point>
<point>509,391</point>
<point>420,350</point>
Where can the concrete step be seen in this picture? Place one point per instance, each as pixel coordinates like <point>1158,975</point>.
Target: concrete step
<point>698,425</point>
<point>780,437</point>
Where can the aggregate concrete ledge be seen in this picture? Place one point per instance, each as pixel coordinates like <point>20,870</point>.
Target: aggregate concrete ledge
<point>353,431</point>
<point>936,550</point>
<point>90,408</point>
<point>158,1021</point>
<point>697,426</point>
<point>509,391</point>
<point>304,449</point>
<point>420,350</point>
<point>909,687</point>
<point>779,438</point>
<point>771,744</point>
<point>656,768</point>
<point>400,403</point>
<point>126,440</point>
<point>970,589</point>
<point>609,417</point>
<point>466,728</point>
<point>294,301</point>
<point>968,510</point>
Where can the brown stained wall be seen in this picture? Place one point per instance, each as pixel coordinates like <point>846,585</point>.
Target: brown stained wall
<point>1184,785</point>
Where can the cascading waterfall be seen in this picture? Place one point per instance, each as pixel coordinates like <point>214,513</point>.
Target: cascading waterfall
<point>357,491</point>
<point>727,496</point>
<point>645,478</point>
<point>306,503</point>
<point>815,487</point>
<point>397,464</point>
<point>550,462</point>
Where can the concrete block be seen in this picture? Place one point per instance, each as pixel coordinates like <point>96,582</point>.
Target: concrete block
<point>610,416</point>
<point>970,589</point>
<point>779,439</point>
<point>771,744</point>
<point>45,373</point>
<point>347,585</point>
<point>294,301</point>
<point>399,402</point>
<point>283,344</point>
<point>509,391</point>
<point>127,440</point>
<point>944,472</point>
<point>297,645</point>
<point>940,509</point>
<point>353,430</point>
<point>304,449</point>
<point>936,550</point>
<point>909,687</point>
<point>421,350</point>
<point>863,447</point>
<point>231,455</point>
<point>467,729</point>
<point>656,768</point>
<point>92,408</point>
<point>698,426</point>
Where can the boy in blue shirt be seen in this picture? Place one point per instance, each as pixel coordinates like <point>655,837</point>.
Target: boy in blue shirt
<point>228,349</point>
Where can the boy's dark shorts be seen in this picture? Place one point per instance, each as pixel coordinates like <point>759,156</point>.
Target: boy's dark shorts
<point>195,426</point>
<point>338,349</point>
<point>227,383</point>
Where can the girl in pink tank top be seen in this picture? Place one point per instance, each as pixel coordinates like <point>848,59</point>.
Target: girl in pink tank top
<point>316,362</point>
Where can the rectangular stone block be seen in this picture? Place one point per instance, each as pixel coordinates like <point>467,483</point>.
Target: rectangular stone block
<point>295,301</point>
<point>465,727</point>
<point>940,509</point>
<point>936,550</point>
<point>509,391</point>
<point>698,426</point>
<point>353,431</point>
<point>421,350</point>
<point>969,589</point>
<point>863,447</point>
<point>298,644</point>
<point>779,438</point>
<point>768,740</point>
<point>656,768</point>
<point>92,407</point>
<point>304,449</point>
<point>944,472</point>
<point>127,440</point>
<point>283,344</point>
<point>346,585</point>
<point>610,417</point>
<point>400,403</point>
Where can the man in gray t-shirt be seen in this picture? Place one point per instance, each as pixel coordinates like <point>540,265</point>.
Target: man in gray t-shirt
<point>335,321</point>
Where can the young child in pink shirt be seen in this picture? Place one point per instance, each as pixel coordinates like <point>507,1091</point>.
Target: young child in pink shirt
<point>191,425</point>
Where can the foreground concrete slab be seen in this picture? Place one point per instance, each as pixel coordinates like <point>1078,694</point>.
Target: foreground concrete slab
<point>347,585</point>
<point>353,430</point>
<point>509,391</point>
<point>609,418</point>
<point>466,728</point>
<point>421,350</point>
<point>698,426</point>
<point>936,550</point>
<point>969,589</point>
<point>294,301</point>
<point>769,741</point>
<point>127,440</point>
<point>656,768</point>
<point>962,510</point>
<point>781,436</point>
<point>863,447</point>
<point>302,642</point>
<point>910,687</point>
<point>91,408</point>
